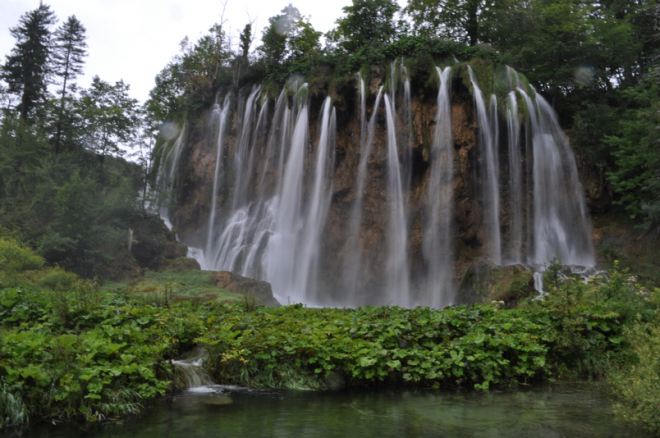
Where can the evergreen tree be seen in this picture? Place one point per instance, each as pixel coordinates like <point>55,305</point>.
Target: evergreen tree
<point>68,53</point>
<point>26,70</point>
<point>6,102</point>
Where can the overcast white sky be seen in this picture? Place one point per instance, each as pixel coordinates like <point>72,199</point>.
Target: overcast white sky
<point>134,39</point>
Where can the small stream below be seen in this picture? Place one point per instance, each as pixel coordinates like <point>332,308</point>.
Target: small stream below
<point>553,410</point>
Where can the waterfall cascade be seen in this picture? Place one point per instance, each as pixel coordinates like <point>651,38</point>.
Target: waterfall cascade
<point>437,244</point>
<point>343,212</point>
<point>191,370</point>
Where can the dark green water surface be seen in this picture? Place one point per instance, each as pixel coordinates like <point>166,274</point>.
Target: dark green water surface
<point>557,410</point>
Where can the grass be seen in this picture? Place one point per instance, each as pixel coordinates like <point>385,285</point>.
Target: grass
<point>191,284</point>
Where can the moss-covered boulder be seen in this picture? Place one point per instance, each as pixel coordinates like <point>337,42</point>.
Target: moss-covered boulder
<point>182,264</point>
<point>485,282</point>
<point>153,243</point>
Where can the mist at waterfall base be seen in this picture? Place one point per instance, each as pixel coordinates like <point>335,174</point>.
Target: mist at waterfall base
<point>273,189</point>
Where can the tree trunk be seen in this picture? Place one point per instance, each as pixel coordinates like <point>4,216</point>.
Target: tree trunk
<point>472,27</point>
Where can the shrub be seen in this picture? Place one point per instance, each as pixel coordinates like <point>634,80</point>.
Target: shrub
<point>57,279</point>
<point>637,386</point>
<point>16,258</point>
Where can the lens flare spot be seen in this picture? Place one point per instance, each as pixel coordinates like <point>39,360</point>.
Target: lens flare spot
<point>584,74</point>
<point>169,130</point>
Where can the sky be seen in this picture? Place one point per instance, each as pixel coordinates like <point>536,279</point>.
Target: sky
<point>134,39</point>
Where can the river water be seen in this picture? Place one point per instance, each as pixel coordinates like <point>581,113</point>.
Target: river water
<point>554,410</point>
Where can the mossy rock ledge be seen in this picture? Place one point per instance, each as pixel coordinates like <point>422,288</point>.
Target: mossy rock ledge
<point>485,282</point>
<point>234,283</point>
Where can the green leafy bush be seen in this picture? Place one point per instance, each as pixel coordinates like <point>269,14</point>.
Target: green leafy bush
<point>370,346</point>
<point>94,363</point>
<point>637,386</point>
<point>16,257</point>
<point>58,279</point>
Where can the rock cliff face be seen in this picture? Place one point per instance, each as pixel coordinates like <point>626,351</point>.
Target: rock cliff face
<point>344,200</point>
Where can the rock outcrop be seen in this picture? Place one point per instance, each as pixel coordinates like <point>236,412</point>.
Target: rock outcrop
<point>259,290</point>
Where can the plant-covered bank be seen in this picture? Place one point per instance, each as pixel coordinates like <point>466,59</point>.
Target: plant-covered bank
<point>79,353</point>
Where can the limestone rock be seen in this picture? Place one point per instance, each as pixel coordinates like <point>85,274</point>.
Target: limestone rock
<point>234,283</point>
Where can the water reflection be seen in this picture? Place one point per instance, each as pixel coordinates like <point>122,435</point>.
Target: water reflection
<point>558,410</point>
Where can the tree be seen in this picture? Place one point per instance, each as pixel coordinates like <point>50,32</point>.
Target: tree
<point>68,53</point>
<point>246,40</point>
<point>273,40</point>
<point>166,98</point>
<point>367,23</point>
<point>466,21</point>
<point>109,117</point>
<point>74,236</point>
<point>289,36</point>
<point>142,155</point>
<point>636,179</point>
<point>6,102</point>
<point>241,61</point>
<point>26,70</point>
<point>201,66</point>
<point>303,41</point>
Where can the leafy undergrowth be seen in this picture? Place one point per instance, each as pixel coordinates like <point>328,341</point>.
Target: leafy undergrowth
<point>298,347</point>
<point>64,357</point>
<point>637,386</point>
<point>87,354</point>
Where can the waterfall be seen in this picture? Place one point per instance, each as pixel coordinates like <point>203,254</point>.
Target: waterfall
<point>397,285</point>
<point>561,223</point>
<point>191,370</point>
<point>515,180</point>
<point>291,256</point>
<point>219,118</point>
<point>408,131</point>
<point>437,243</point>
<point>363,110</point>
<point>489,169</point>
<point>167,170</point>
<point>320,202</point>
<point>282,247</point>
<point>354,260</point>
<point>241,163</point>
<point>294,205</point>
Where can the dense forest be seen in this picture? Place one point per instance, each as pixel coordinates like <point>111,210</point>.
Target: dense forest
<point>76,167</point>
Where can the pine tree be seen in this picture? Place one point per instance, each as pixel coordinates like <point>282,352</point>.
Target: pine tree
<point>68,53</point>
<point>26,70</point>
